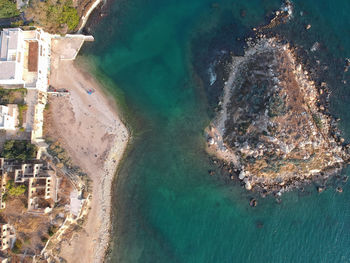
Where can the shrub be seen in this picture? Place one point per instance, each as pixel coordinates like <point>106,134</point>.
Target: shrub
<point>18,23</point>
<point>8,9</point>
<point>4,197</point>
<point>13,190</point>
<point>69,15</point>
<point>52,230</point>
<point>57,151</point>
<point>17,246</point>
<point>21,109</point>
<point>12,96</point>
<point>47,106</point>
<point>317,120</point>
<point>54,15</point>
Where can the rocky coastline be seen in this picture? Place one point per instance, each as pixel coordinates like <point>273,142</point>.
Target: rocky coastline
<point>273,129</point>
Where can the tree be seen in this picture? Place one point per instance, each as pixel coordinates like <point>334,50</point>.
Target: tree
<point>8,9</point>
<point>19,150</point>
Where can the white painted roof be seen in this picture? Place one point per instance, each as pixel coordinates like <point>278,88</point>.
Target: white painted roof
<point>8,41</point>
<point>7,121</point>
<point>7,70</point>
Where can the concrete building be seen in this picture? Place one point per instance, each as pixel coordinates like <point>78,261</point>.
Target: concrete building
<point>76,203</point>
<point>7,236</point>
<point>40,180</point>
<point>8,117</point>
<point>25,58</point>
<point>11,57</point>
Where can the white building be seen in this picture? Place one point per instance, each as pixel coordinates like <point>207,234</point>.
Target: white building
<point>11,56</point>
<point>8,117</point>
<point>25,62</point>
<point>25,58</point>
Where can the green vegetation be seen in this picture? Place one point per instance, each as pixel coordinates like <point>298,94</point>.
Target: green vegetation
<point>20,150</point>
<point>69,15</point>
<point>18,23</point>
<point>47,106</point>
<point>13,190</point>
<point>8,9</point>
<point>54,15</point>
<point>317,120</point>
<point>17,246</point>
<point>44,239</point>
<point>56,150</point>
<point>12,96</point>
<point>4,197</point>
<point>52,230</point>
<point>21,109</point>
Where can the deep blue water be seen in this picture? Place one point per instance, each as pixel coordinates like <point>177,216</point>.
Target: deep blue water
<point>156,53</point>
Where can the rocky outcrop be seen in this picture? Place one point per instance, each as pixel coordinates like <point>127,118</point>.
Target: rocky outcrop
<point>272,125</point>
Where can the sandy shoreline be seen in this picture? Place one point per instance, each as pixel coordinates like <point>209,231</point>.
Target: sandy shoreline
<point>87,126</point>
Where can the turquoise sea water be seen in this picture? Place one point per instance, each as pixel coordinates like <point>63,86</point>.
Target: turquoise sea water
<point>166,206</point>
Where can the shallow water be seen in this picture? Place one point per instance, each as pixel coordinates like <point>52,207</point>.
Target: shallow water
<point>166,206</point>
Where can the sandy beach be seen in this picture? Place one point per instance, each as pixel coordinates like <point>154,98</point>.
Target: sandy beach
<point>90,129</point>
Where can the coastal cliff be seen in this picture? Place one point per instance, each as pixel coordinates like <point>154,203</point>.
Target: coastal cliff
<point>272,125</point>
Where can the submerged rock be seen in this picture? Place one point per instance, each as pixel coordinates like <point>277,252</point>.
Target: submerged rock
<point>253,202</point>
<point>320,189</point>
<point>339,189</point>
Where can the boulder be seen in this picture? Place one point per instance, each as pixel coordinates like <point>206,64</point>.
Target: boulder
<point>248,186</point>
<point>211,140</point>
<point>241,175</point>
<point>253,202</point>
<point>320,189</point>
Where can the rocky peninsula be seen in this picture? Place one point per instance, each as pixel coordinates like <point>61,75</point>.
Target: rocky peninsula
<point>273,126</point>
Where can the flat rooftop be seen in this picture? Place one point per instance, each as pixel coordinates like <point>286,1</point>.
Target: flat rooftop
<point>7,70</point>
<point>8,41</point>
